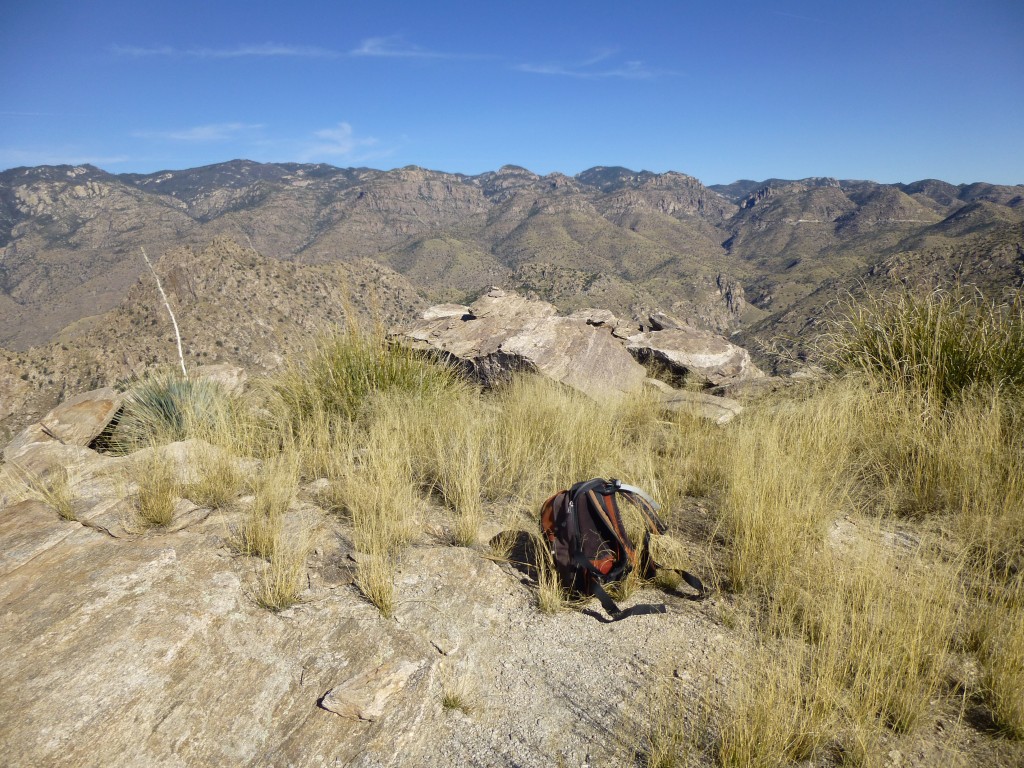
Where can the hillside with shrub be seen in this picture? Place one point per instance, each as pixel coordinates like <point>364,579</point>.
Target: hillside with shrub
<point>351,543</point>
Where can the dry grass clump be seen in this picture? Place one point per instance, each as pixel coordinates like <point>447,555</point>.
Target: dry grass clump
<point>998,635</point>
<point>274,488</point>
<point>882,627</point>
<point>218,478</point>
<point>157,488</point>
<point>282,580</point>
<point>342,372</point>
<point>380,496</point>
<point>458,693</point>
<point>53,488</point>
<point>774,713</point>
<point>942,343</point>
<point>542,437</point>
<point>785,480</point>
<point>450,435</point>
<point>269,532</point>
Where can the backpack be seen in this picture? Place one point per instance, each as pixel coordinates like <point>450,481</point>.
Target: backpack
<point>589,544</point>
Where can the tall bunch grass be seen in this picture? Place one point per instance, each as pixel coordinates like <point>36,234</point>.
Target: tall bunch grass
<point>218,478</point>
<point>856,636</point>
<point>998,635</point>
<point>157,488</point>
<point>379,492</point>
<point>942,343</point>
<point>785,481</point>
<point>774,713</point>
<point>169,407</point>
<point>280,581</point>
<point>340,372</point>
<point>881,625</point>
<point>543,437</point>
<point>55,487</point>
<point>448,437</point>
<point>262,530</point>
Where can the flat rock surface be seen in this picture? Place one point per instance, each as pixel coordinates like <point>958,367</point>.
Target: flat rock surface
<point>151,651</point>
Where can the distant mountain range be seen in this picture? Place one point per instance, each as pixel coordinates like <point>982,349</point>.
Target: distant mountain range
<point>754,258</point>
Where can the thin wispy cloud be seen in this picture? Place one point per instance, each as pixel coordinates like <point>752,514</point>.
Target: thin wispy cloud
<point>601,65</point>
<point>264,50</point>
<point>393,46</point>
<point>341,142</point>
<point>396,47</point>
<point>212,132</point>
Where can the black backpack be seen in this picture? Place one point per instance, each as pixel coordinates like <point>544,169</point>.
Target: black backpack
<point>590,546</point>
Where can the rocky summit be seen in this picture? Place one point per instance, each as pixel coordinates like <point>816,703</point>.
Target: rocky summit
<point>320,547</point>
<point>133,645</point>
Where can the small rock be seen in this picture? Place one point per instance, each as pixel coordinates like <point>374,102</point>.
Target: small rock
<point>661,321</point>
<point>720,410</point>
<point>442,311</point>
<point>365,697</point>
<point>230,377</point>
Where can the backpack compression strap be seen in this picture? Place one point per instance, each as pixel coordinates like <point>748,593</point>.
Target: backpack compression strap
<point>609,605</point>
<point>649,506</point>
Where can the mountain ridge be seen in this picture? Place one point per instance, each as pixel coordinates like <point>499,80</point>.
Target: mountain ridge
<point>729,258</point>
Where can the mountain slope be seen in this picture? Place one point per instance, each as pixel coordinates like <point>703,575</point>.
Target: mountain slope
<point>724,257</point>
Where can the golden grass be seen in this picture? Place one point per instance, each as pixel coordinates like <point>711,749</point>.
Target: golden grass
<point>53,488</point>
<point>774,713</point>
<point>218,479</point>
<point>456,462</point>
<point>378,490</point>
<point>157,488</point>
<point>281,581</point>
<point>784,482</point>
<point>551,598</point>
<point>998,634</point>
<point>856,629</point>
<point>274,489</point>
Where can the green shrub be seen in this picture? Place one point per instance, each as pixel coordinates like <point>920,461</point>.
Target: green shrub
<point>341,372</point>
<point>941,344</point>
<point>167,408</point>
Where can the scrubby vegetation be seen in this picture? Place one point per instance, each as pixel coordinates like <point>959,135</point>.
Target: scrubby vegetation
<point>53,488</point>
<point>865,532</point>
<point>871,533</point>
<point>168,407</point>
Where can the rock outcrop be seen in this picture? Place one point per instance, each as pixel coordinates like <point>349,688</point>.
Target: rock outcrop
<point>504,333</point>
<point>75,422</point>
<point>683,352</point>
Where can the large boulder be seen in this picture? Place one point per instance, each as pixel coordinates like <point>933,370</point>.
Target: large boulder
<point>685,353</point>
<point>503,333</point>
<point>75,422</point>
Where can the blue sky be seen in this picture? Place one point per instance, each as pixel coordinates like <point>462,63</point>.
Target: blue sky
<point>890,91</point>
